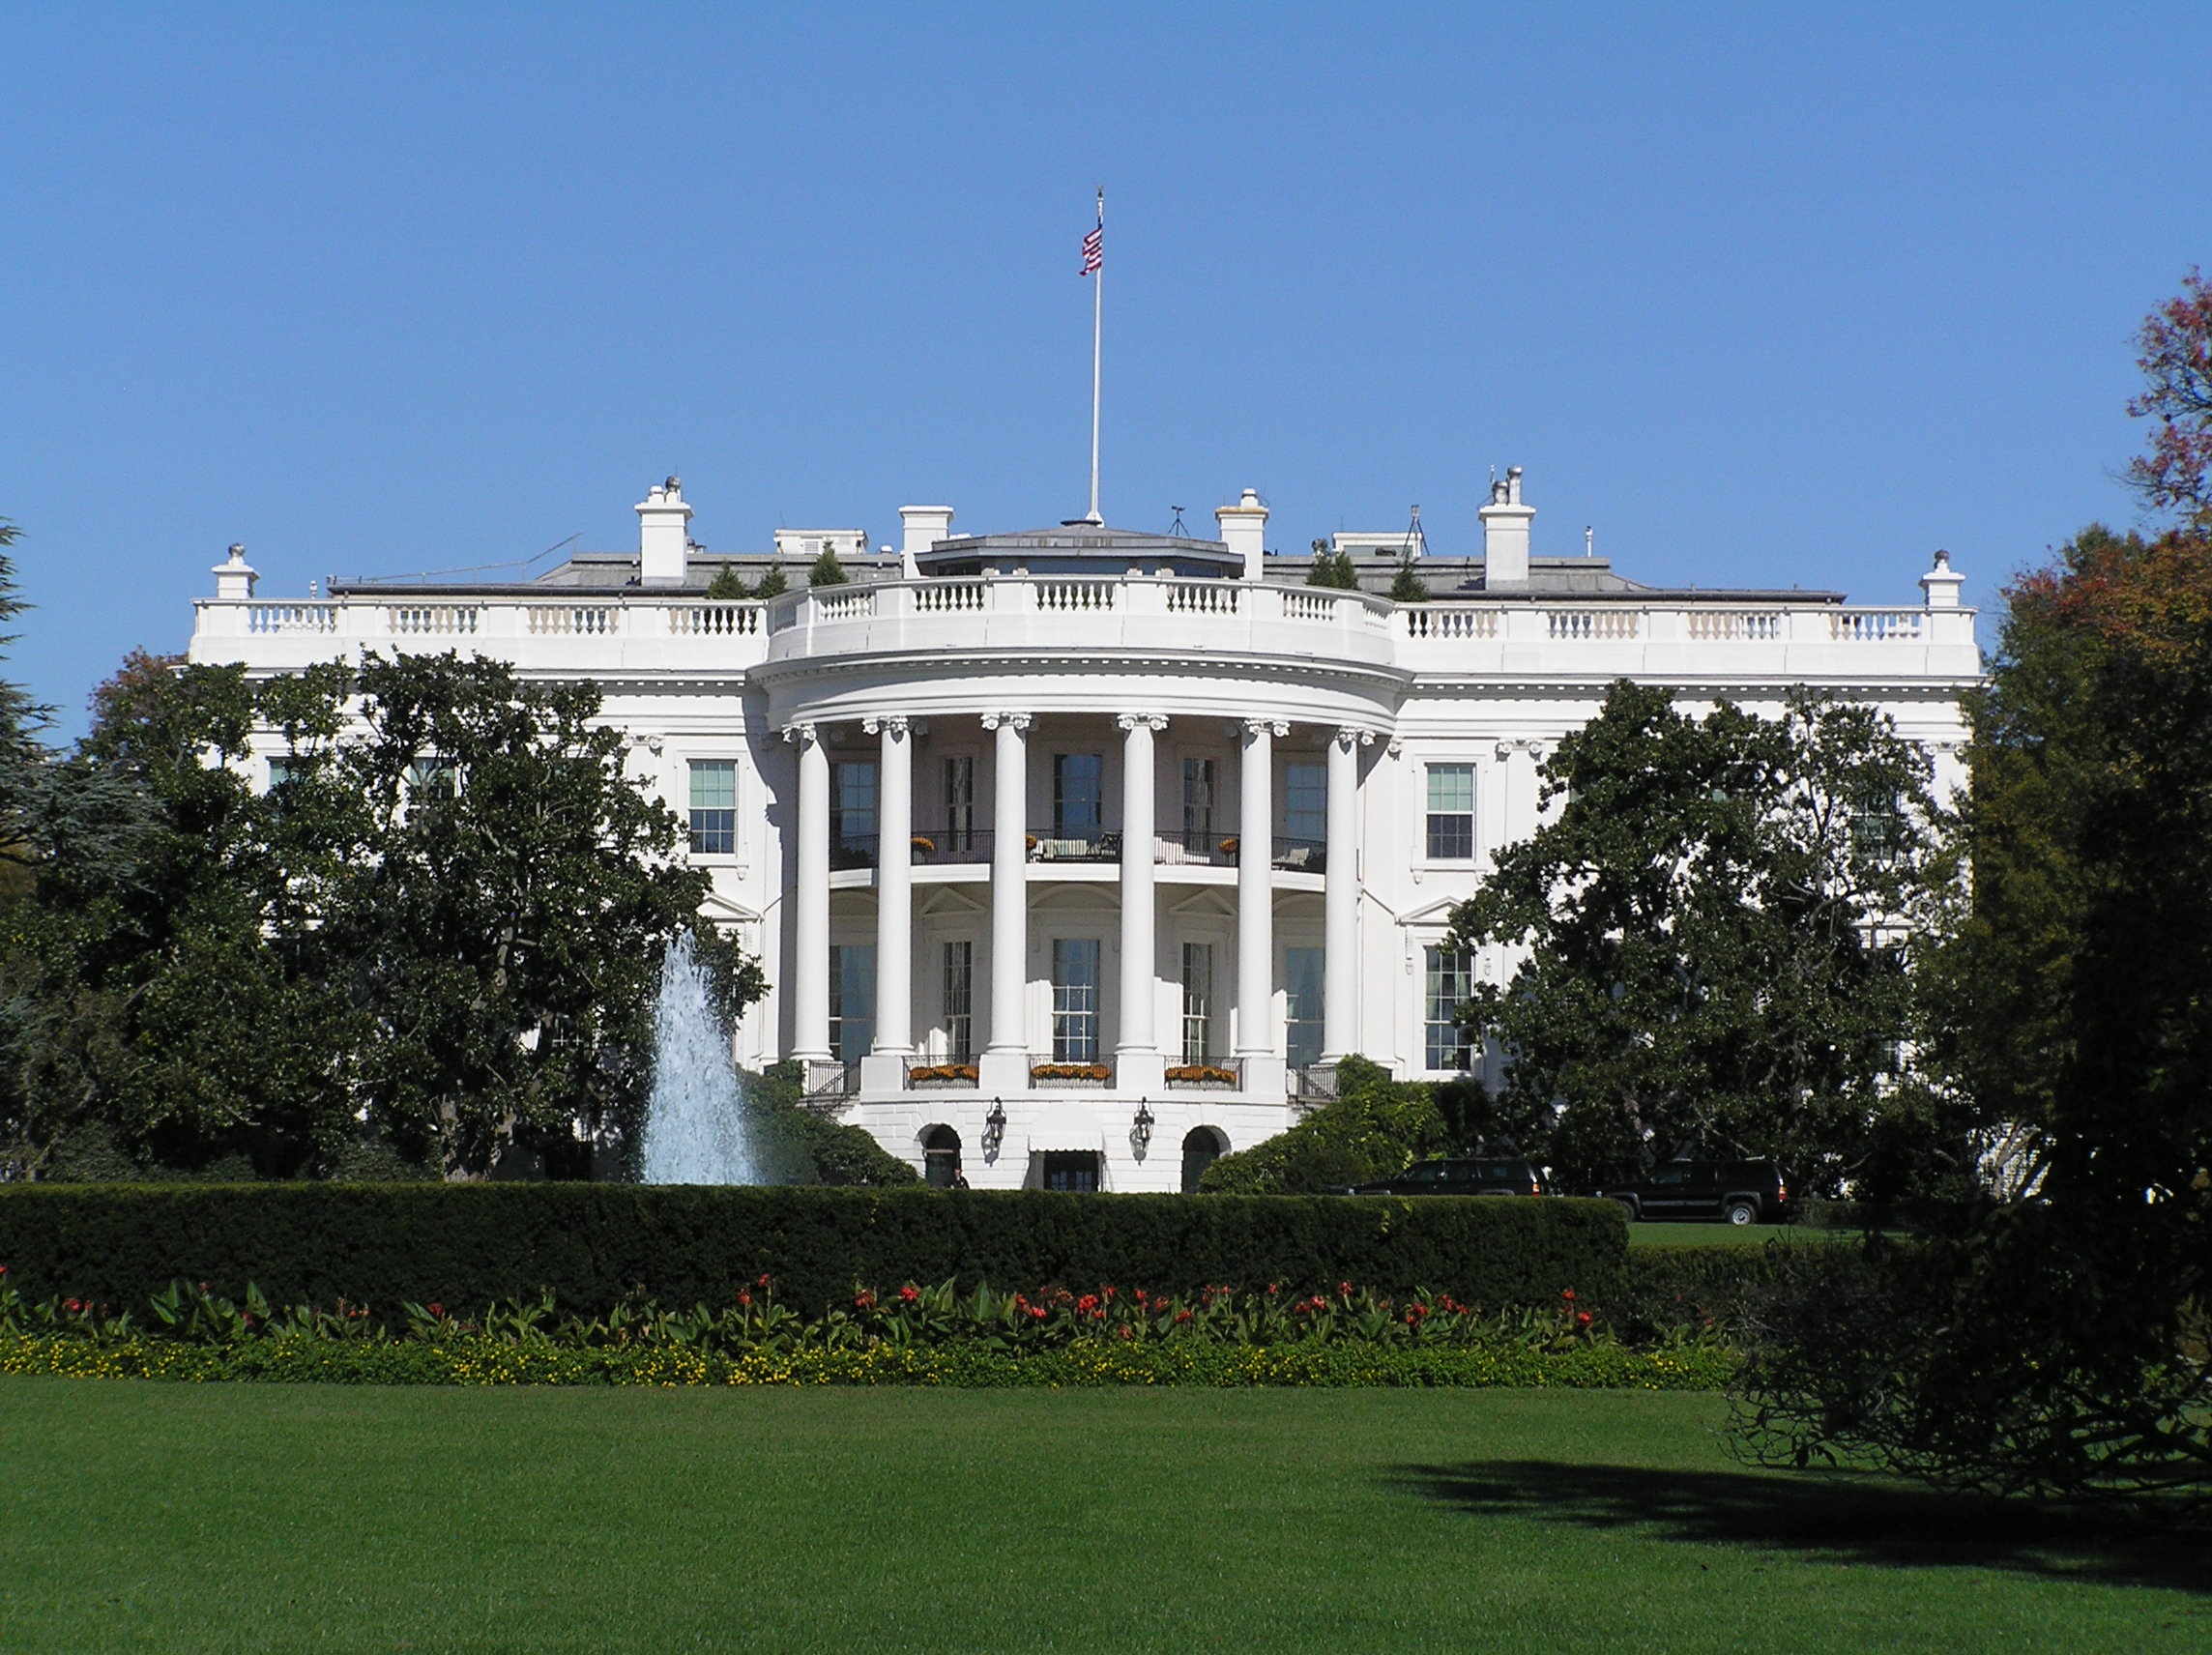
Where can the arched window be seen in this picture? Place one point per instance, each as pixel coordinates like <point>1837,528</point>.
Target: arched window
<point>1202,1147</point>
<point>941,1157</point>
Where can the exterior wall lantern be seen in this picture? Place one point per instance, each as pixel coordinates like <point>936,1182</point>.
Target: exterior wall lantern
<point>1140,1134</point>
<point>995,1127</point>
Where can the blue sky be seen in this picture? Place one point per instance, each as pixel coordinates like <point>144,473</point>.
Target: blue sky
<point>1770,296</point>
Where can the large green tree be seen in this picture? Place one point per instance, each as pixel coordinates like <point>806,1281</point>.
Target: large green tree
<point>1711,927</point>
<point>2056,1337</point>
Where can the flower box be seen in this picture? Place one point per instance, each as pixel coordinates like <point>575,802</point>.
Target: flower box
<point>1077,1074</point>
<point>941,1074</point>
<point>1200,1075</point>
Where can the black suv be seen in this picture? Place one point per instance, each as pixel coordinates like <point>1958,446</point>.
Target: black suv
<point>1741,1192</point>
<point>1476,1175</point>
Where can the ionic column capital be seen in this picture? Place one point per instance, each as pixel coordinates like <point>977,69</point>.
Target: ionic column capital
<point>798,735</point>
<point>1275,726</point>
<point>1347,738</point>
<point>877,723</point>
<point>1017,721</point>
<point>1155,722</point>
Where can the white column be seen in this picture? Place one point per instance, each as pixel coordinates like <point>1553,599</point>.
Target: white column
<point>1256,1047</point>
<point>1005,1059</point>
<point>1340,900</point>
<point>882,1070</point>
<point>810,954</point>
<point>1137,1061</point>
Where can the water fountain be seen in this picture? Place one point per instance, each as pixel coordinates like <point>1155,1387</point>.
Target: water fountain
<point>695,1120</point>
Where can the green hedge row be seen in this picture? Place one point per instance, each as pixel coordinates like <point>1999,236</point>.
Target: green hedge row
<point>496,1362</point>
<point>466,1246</point>
<point>1664,1288</point>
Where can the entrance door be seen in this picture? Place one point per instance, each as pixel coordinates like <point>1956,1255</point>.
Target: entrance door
<point>1069,1170</point>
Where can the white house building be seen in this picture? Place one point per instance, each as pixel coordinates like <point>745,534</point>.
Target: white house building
<point>1077,856</point>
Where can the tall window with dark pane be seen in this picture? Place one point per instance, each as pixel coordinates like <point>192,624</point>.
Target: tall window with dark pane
<point>1078,795</point>
<point>1305,811</point>
<point>851,999</point>
<point>941,1157</point>
<point>1198,805</point>
<point>852,814</point>
<point>1075,1000</point>
<point>960,803</point>
<point>714,807</point>
<point>1451,812</point>
<point>1451,980</point>
<point>1301,996</point>
<point>1197,1002</point>
<point>960,1002</point>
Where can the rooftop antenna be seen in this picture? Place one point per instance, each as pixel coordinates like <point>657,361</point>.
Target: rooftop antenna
<point>1095,267</point>
<point>1176,529</point>
<point>1417,543</point>
<point>1590,542</point>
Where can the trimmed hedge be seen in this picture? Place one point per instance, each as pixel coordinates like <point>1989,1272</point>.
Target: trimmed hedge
<point>592,1245</point>
<point>494,1362</point>
<point>1663,1287</point>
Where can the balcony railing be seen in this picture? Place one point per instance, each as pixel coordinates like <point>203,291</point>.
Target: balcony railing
<point>940,1074</point>
<point>852,850</point>
<point>938,846</point>
<point>1301,855</point>
<point>1088,845</point>
<point>1078,1074</point>
<point>1206,847</point>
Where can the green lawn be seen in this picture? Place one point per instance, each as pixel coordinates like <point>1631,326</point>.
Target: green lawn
<point>1687,1233</point>
<point>179,1517</point>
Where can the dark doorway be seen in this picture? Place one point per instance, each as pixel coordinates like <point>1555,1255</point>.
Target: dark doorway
<point>1202,1147</point>
<point>941,1157</point>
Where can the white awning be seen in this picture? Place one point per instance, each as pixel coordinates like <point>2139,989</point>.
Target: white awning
<point>1065,1127</point>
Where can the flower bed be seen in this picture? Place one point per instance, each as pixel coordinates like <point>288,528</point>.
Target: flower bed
<point>914,1336</point>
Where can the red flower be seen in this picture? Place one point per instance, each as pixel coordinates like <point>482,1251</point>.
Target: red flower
<point>1271,1290</point>
<point>437,1310</point>
<point>1343,1289</point>
<point>1583,1317</point>
<point>863,1300</point>
<point>1088,1303</point>
<point>1182,1315</point>
<point>1038,1313</point>
<point>763,1282</point>
<point>3,1269</point>
<point>909,1293</point>
<point>1414,1311</point>
<point>744,1299</point>
<point>1567,1293</point>
<point>1127,1332</point>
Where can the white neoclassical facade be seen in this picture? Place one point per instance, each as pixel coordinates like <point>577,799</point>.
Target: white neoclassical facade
<point>1077,856</point>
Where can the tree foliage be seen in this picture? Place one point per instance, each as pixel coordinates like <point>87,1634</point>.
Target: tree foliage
<point>1372,1129</point>
<point>441,924</point>
<point>1334,569</point>
<point>1713,922</point>
<point>2057,1339</point>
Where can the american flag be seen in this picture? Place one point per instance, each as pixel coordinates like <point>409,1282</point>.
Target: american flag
<point>1094,251</point>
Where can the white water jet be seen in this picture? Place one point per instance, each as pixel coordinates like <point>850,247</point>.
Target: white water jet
<point>695,1120</point>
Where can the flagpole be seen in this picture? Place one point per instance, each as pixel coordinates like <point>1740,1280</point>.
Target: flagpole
<point>1097,335</point>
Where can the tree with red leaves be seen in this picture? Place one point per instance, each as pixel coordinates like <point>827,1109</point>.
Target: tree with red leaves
<point>2176,341</point>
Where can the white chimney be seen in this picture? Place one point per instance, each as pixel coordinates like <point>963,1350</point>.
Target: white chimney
<point>234,578</point>
<point>663,534</point>
<point>1245,531</point>
<point>1505,535</point>
<point>1941,585</point>
<point>926,526</point>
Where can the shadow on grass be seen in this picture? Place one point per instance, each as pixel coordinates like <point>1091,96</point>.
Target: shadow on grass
<point>1859,1519</point>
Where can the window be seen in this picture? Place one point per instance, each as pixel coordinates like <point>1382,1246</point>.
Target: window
<point>1078,794</point>
<point>279,772</point>
<point>851,999</point>
<point>1068,1170</point>
<point>1306,802</point>
<point>1075,1000</point>
<point>1451,812</point>
<point>960,1002</point>
<point>1447,1044</point>
<point>1301,1020</point>
<point>431,779</point>
<point>960,801</point>
<point>1877,827</point>
<point>1198,805</point>
<point>1197,1002</point>
<point>853,804</point>
<point>714,807</point>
